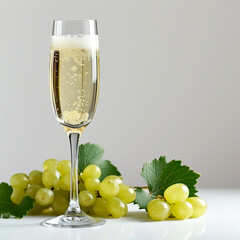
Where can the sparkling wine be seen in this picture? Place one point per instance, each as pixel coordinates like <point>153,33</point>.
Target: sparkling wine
<point>74,78</point>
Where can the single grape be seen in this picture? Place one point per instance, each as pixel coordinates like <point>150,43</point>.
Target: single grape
<point>92,184</point>
<point>51,177</point>
<point>32,190</point>
<point>66,194</point>
<point>126,193</point>
<point>19,181</point>
<point>64,182</point>
<point>117,179</point>
<point>176,192</point>
<point>35,178</point>
<point>17,196</point>
<point>44,197</point>
<point>49,163</point>
<point>182,209</point>
<point>199,206</point>
<point>60,203</point>
<point>100,207</point>
<point>116,207</point>
<point>158,209</point>
<point>86,198</point>
<point>91,171</point>
<point>108,188</point>
<point>37,209</point>
<point>64,167</point>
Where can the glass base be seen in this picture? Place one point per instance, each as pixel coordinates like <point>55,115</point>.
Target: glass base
<point>76,220</point>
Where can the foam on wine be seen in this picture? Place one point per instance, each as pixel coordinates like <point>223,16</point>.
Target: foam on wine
<point>88,42</point>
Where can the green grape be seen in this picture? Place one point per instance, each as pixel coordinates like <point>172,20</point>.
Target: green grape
<point>37,209</point>
<point>100,207</point>
<point>182,209</point>
<point>90,211</point>
<point>108,188</point>
<point>91,171</point>
<point>17,195</point>
<point>86,198</point>
<point>116,207</point>
<point>19,181</point>
<point>64,167</point>
<point>50,163</point>
<point>117,179</point>
<point>64,182</point>
<point>158,209</point>
<point>199,206</point>
<point>51,177</point>
<point>81,185</point>
<point>35,178</point>
<point>60,203</point>
<point>32,190</point>
<point>87,210</point>
<point>47,211</point>
<point>126,193</point>
<point>92,184</point>
<point>176,192</point>
<point>66,194</point>
<point>44,197</point>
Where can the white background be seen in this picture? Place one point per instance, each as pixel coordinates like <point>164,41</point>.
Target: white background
<point>169,85</point>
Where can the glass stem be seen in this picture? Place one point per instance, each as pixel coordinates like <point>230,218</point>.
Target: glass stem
<point>74,206</point>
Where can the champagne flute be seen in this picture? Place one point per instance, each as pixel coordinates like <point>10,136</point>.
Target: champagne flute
<point>74,84</point>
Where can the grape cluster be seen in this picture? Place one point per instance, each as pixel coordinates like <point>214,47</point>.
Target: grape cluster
<point>50,190</point>
<point>105,198</point>
<point>176,203</point>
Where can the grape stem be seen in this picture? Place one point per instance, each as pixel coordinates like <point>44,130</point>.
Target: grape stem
<point>74,206</point>
<point>160,197</point>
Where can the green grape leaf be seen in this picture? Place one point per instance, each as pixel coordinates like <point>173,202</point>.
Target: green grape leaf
<point>92,154</point>
<point>142,198</point>
<point>107,169</point>
<point>159,175</point>
<point>89,154</point>
<point>8,208</point>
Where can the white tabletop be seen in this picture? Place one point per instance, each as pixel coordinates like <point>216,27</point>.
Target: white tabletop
<point>222,221</point>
